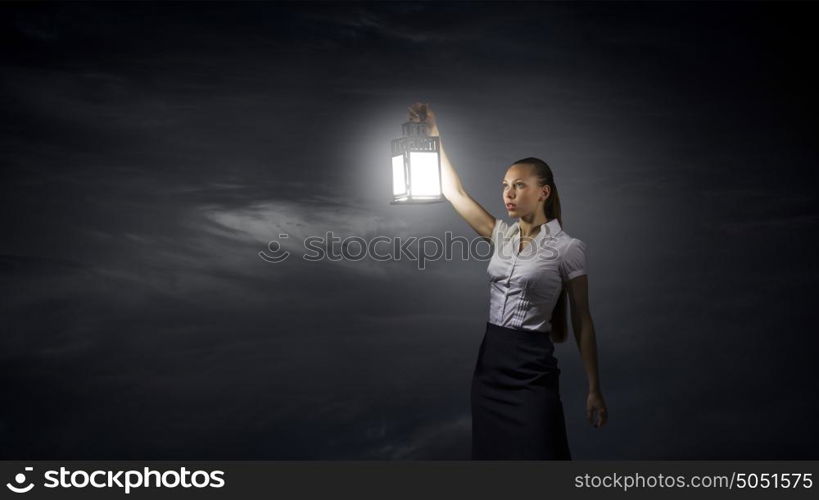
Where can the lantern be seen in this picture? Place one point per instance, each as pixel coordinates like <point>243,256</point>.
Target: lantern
<point>416,166</point>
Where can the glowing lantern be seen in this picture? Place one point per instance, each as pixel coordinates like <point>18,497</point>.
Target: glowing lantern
<point>416,166</point>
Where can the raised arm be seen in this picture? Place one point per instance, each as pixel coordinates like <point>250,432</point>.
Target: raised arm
<point>473,213</point>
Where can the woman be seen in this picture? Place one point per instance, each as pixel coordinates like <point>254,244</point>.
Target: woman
<point>516,408</point>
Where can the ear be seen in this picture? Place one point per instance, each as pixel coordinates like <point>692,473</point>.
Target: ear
<point>546,192</point>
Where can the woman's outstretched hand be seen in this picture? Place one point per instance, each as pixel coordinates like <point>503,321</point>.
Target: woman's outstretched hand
<point>421,112</point>
<point>596,404</point>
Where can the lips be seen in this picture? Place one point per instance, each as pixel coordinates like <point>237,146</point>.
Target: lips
<point>510,206</point>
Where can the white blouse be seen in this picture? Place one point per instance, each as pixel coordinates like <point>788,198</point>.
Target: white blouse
<point>524,287</point>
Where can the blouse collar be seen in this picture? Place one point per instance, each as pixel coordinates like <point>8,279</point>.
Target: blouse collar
<point>548,229</point>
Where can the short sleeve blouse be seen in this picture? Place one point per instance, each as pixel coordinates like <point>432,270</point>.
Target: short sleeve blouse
<point>525,286</point>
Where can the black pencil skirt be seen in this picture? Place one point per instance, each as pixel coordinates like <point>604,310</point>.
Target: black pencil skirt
<point>517,413</point>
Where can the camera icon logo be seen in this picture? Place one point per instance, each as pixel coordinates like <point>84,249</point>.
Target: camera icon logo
<point>20,478</point>
<point>276,254</point>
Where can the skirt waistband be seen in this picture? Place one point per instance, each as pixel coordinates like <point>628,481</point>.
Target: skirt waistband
<point>519,335</point>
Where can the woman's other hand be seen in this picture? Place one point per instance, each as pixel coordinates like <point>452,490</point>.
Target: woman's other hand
<point>422,112</point>
<point>596,410</point>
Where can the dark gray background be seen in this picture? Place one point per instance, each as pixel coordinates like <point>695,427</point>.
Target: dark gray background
<point>150,151</point>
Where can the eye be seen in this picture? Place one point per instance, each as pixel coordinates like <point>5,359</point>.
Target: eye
<point>520,184</point>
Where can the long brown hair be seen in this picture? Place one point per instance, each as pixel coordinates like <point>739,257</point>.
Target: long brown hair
<point>551,208</point>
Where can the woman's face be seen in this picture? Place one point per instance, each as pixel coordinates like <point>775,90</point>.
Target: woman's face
<point>522,192</point>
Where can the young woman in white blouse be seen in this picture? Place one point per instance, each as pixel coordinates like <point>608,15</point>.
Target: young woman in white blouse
<point>517,412</point>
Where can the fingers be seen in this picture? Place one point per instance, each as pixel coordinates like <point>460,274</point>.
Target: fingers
<point>415,114</point>
<point>419,112</point>
<point>597,416</point>
<point>603,416</point>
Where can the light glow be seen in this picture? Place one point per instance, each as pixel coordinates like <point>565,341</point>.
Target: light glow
<point>399,184</point>
<point>424,175</point>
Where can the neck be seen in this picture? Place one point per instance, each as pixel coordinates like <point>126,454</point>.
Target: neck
<point>530,224</point>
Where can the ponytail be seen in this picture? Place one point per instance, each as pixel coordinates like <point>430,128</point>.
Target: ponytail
<point>551,208</point>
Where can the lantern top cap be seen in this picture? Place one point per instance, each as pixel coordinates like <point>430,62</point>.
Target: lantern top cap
<point>415,129</point>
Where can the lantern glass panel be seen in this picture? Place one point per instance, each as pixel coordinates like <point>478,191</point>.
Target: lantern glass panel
<point>424,175</point>
<point>399,184</point>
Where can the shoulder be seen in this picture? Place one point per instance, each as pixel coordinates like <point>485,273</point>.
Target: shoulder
<point>567,242</point>
<point>577,243</point>
<point>574,247</point>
